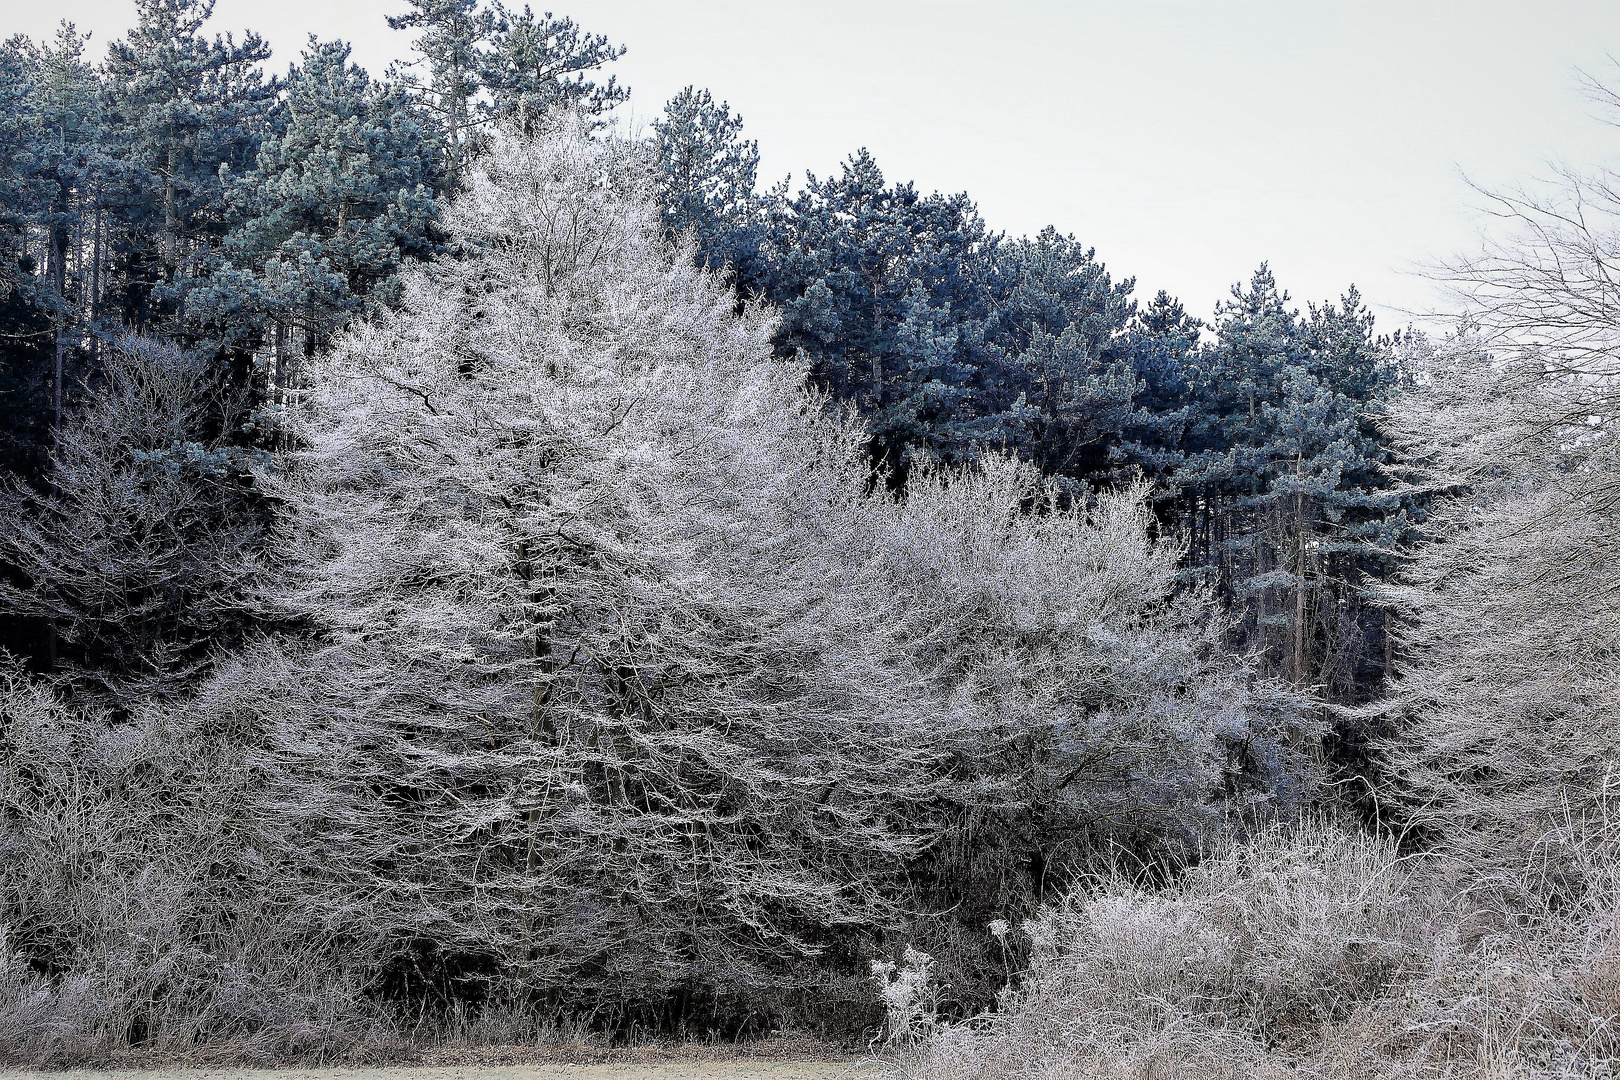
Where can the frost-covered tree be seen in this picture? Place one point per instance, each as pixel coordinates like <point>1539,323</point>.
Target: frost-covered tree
<point>139,551</point>
<point>598,697</point>
<point>1059,644</point>
<point>1504,711</point>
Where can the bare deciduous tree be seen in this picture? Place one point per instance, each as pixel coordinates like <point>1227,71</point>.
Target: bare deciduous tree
<point>1504,708</point>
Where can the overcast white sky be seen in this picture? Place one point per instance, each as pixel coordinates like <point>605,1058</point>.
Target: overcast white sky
<point>1186,140</point>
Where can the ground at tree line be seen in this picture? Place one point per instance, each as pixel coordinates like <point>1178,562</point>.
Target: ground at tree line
<point>691,1070</point>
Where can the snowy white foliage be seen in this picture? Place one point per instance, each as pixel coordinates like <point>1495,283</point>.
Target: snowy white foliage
<point>910,996</point>
<point>134,903</point>
<point>1084,694</point>
<point>1260,943</point>
<point>1503,713</point>
<point>139,550</point>
<point>1313,953</point>
<point>605,676</point>
<point>622,679</point>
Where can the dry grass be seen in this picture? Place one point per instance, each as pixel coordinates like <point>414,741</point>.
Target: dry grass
<point>690,1070</point>
<point>566,1056</point>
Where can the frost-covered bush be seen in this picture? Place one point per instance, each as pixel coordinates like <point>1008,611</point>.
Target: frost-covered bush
<point>1526,979</point>
<point>134,905</point>
<point>1087,701</point>
<point>910,997</point>
<point>1083,686</point>
<point>1264,945</point>
<point>1320,954</point>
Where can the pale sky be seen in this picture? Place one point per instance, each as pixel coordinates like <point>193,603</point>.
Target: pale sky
<point>1187,140</point>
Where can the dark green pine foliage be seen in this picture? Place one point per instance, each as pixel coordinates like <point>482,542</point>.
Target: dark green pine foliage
<point>179,107</point>
<point>1163,341</point>
<point>887,293</point>
<point>1061,321</point>
<point>948,339</point>
<point>536,64</point>
<point>1282,491</point>
<point>19,151</point>
<point>343,191</point>
<point>707,175</point>
<point>25,311</point>
<point>450,40</point>
<point>50,234</point>
<point>1358,527</point>
<point>1230,383</point>
<point>68,109</point>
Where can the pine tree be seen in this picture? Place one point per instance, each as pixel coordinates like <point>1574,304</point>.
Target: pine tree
<point>1061,319</point>
<point>537,65</point>
<point>341,193</point>
<point>886,293</point>
<point>1284,483</point>
<point>451,39</point>
<point>180,107</point>
<point>67,109</point>
<point>27,311</point>
<point>1163,342</point>
<point>19,135</point>
<point>707,175</point>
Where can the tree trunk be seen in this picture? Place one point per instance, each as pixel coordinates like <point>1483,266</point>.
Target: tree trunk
<point>58,272</point>
<point>94,301</point>
<point>1299,575</point>
<point>1299,589</point>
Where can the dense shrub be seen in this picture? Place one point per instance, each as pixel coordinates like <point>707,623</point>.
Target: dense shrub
<point>135,906</point>
<point>1255,949</point>
<point>1317,953</point>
